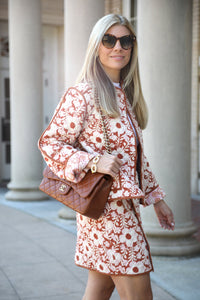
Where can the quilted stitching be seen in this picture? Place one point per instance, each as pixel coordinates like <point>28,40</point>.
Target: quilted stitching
<point>87,197</point>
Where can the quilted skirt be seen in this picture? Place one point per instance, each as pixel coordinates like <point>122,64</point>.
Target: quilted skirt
<point>115,244</point>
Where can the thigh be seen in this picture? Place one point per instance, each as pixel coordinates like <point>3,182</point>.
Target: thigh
<point>136,287</point>
<point>100,285</point>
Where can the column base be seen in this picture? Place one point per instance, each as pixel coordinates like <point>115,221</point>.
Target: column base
<point>173,247</point>
<point>26,195</point>
<point>25,191</point>
<point>180,242</point>
<point>67,213</point>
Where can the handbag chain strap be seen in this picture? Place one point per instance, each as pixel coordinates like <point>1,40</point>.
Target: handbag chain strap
<point>103,122</point>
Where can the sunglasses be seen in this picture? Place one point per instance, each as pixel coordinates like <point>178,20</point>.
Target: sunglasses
<point>109,41</point>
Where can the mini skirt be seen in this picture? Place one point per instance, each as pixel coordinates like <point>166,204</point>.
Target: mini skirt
<point>115,244</point>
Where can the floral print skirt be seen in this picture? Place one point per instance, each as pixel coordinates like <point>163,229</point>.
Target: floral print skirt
<point>115,244</point>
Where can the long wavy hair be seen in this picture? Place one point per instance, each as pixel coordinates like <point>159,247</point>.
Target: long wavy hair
<point>92,71</point>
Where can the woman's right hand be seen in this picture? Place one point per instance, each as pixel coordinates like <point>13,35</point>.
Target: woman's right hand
<point>108,164</point>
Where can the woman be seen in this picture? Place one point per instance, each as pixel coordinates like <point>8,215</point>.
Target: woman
<point>114,247</point>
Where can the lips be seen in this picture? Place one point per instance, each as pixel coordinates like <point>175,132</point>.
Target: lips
<point>117,57</point>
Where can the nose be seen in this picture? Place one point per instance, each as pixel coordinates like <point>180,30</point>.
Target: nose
<point>118,45</point>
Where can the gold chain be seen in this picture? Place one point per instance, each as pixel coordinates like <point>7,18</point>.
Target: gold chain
<point>105,133</point>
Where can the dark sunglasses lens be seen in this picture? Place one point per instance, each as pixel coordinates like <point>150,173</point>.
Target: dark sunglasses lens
<point>126,42</point>
<point>109,41</point>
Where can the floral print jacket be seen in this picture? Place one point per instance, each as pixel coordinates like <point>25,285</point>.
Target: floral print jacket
<point>74,136</point>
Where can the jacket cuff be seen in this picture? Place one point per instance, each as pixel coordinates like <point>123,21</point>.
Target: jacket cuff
<point>154,196</point>
<point>76,165</point>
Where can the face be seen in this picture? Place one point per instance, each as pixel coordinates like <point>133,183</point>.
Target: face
<point>115,59</point>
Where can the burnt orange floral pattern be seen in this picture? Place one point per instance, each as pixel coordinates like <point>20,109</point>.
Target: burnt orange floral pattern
<point>75,136</point>
<point>116,243</point>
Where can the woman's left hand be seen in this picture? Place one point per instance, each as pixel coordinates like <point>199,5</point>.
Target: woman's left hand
<point>164,215</point>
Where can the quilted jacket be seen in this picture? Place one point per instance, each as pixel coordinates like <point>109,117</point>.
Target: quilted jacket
<point>74,136</point>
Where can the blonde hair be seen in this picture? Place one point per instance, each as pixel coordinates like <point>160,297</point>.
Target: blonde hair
<point>92,71</point>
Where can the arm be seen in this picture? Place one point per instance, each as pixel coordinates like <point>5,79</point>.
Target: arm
<point>57,142</point>
<point>154,195</point>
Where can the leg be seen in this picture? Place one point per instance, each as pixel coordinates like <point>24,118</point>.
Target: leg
<point>133,287</point>
<point>99,286</point>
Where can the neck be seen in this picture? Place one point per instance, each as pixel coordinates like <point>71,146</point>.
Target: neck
<point>113,75</point>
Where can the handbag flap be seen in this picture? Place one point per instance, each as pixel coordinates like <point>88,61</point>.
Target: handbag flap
<point>63,186</point>
<point>83,188</point>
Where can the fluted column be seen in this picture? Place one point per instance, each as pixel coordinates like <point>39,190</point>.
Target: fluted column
<point>195,112</point>
<point>165,40</point>
<point>26,99</point>
<point>79,19</point>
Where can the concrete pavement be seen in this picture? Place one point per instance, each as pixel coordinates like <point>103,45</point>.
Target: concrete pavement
<point>37,258</point>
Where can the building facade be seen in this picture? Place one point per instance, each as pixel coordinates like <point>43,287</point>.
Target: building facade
<point>42,48</point>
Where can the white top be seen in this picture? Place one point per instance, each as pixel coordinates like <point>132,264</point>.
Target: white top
<point>117,84</point>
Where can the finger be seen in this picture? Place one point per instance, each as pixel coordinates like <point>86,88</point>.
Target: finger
<point>119,161</point>
<point>163,223</point>
<point>113,174</point>
<point>170,221</point>
<point>115,159</point>
<point>115,167</point>
<point>166,224</point>
<point>171,225</point>
<point>115,171</point>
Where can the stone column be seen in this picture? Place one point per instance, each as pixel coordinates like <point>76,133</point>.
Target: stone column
<point>26,99</point>
<point>79,19</point>
<point>165,40</point>
<point>195,112</point>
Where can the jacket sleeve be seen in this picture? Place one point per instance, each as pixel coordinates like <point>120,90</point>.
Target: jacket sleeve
<point>57,142</point>
<point>153,192</point>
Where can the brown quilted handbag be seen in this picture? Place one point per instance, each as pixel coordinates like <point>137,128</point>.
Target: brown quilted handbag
<point>89,196</point>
